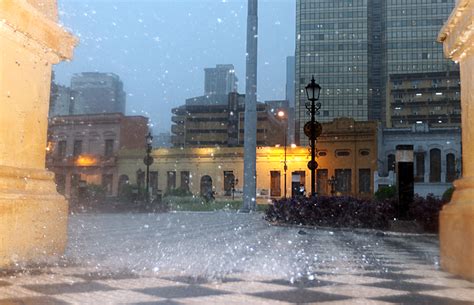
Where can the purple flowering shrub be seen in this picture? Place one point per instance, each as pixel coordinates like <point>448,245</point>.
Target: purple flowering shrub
<point>332,212</point>
<point>353,212</point>
<point>425,211</point>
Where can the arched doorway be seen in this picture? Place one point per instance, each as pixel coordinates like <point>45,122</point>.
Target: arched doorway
<point>206,185</point>
<point>122,183</point>
<point>229,180</point>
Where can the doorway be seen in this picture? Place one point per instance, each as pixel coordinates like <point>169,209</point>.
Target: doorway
<point>297,178</point>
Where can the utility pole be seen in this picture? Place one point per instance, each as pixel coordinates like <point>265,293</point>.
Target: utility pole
<point>250,123</point>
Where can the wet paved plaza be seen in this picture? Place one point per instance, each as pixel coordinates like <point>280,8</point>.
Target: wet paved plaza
<point>230,258</point>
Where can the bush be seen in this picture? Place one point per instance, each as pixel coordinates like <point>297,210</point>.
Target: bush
<point>93,192</point>
<point>333,212</point>
<point>425,211</point>
<point>353,212</point>
<point>386,192</point>
<point>448,194</point>
<point>178,192</point>
<point>200,204</point>
<point>129,192</point>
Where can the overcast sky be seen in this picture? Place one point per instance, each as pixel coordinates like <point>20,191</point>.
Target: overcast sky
<point>160,48</point>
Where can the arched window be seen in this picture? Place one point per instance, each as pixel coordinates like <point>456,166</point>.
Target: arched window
<point>391,162</point>
<point>435,165</point>
<point>419,167</point>
<point>122,184</point>
<point>450,167</point>
<point>206,186</point>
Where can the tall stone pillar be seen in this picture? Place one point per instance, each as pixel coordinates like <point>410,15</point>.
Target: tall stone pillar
<point>33,216</point>
<point>457,217</point>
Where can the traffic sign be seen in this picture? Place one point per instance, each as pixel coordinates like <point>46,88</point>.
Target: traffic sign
<point>316,132</point>
<point>312,165</point>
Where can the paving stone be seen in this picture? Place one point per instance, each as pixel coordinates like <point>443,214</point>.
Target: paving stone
<point>300,296</point>
<point>177,292</point>
<point>68,288</point>
<point>232,259</point>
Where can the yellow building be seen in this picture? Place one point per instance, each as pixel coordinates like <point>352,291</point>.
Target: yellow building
<point>346,150</point>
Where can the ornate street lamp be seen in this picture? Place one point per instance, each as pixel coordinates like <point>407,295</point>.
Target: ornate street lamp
<point>313,128</point>
<point>148,160</point>
<point>282,115</point>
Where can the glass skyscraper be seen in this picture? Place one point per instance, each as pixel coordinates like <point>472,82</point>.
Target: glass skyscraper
<point>352,46</point>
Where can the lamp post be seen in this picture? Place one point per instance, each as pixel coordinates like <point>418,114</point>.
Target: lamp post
<point>313,128</point>
<point>282,115</point>
<point>148,160</point>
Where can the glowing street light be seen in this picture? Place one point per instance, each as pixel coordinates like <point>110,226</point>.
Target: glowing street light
<point>282,115</point>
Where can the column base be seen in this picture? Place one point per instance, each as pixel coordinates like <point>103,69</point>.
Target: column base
<point>456,236</point>
<point>33,217</point>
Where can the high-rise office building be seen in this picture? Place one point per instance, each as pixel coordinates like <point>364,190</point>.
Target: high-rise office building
<point>220,80</point>
<point>353,46</point>
<point>290,80</point>
<point>62,100</point>
<point>290,97</point>
<point>98,93</point>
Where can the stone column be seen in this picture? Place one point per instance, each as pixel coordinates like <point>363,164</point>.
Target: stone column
<point>33,216</point>
<point>457,217</point>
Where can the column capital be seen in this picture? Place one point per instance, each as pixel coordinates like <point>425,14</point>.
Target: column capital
<point>28,24</point>
<point>457,35</point>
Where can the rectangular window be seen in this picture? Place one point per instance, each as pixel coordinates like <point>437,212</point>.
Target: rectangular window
<point>364,181</point>
<point>275,184</point>
<point>62,148</point>
<point>107,182</point>
<point>343,181</point>
<point>141,179</point>
<point>109,148</point>
<point>322,181</point>
<point>60,180</point>
<point>77,148</point>
<point>228,181</point>
<point>153,182</point>
<point>171,181</point>
<point>419,167</point>
<point>185,180</point>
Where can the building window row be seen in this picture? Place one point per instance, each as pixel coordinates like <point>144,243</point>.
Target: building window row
<point>333,4</point>
<point>309,46</point>
<point>416,2</point>
<point>78,147</point>
<point>435,166</point>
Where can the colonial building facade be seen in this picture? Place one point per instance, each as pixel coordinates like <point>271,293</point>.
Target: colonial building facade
<point>437,156</point>
<point>347,151</point>
<point>82,149</point>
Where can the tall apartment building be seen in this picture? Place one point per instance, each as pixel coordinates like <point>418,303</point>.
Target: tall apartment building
<point>353,46</point>
<point>220,80</point>
<point>424,98</point>
<point>208,121</point>
<point>98,93</point>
